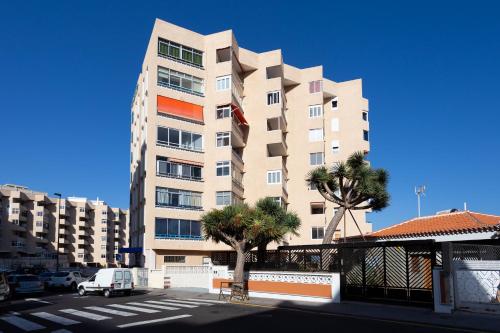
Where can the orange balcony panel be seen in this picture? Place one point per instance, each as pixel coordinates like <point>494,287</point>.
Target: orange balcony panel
<point>178,108</point>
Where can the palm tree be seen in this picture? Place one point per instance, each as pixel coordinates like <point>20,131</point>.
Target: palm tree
<point>285,222</point>
<point>353,185</point>
<point>240,227</point>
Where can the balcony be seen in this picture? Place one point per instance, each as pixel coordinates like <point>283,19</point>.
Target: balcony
<point>83,241</point>
<point>276,143</point>
<point>41,239</point>
<point>63,240</point>
<point>237,159</point>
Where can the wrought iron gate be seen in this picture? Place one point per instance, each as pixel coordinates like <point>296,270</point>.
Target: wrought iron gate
<point>398,272</point>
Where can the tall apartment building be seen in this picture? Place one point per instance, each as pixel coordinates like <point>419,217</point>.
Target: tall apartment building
<point>89,231</point>
<point>213,123</point>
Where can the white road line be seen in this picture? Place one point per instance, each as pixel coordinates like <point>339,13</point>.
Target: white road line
<point>111,311</point>
<point>174,304</point>
<point>205,300</point>
<point>133,308</point>
<point>186,302</point>
<point>163,307</point>
<point>145,322</point>
<point>22,323</point>
<point>55,318</point>
<point>36,300</point>
<point>85,314</point>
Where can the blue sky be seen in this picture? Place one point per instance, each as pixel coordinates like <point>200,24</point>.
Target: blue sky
<point>430,71</point>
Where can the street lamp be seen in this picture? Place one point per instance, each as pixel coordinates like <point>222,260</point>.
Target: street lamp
<point>58,195</point>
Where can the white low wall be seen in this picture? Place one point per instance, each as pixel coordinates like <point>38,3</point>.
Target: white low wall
<point>476,284</point>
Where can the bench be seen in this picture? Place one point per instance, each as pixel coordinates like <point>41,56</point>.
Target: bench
<point>238,290</point>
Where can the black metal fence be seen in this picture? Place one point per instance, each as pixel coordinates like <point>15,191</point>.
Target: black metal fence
<point>380,271</point>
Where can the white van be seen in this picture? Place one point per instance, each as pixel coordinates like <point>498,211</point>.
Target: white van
<point>108,281</point>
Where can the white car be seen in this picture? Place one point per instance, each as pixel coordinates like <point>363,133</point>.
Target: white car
<point>108,281</point>
<point>65,279</point>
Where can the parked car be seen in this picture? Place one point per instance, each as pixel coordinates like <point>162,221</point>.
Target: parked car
<point>24,284</point>
<point>4,287</point>
<point>45,278</point>
<point>65,279</point>
<point>108,281</point>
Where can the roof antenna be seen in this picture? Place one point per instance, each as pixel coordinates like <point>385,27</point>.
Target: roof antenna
<point>419,191</point>
<point>465,206</point>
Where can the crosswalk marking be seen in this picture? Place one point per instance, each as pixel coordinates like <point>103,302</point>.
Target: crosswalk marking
<point>85,314</point>
<point>163,307</point>
<point>22,323</point>
<point>133,308</point>
<point>111,311</point>
<point>36,300</point>
<point>186,302</point>
<point>55,318</point>
<point>206,300</point>
<point>153,321</point>
<point>174,304</point>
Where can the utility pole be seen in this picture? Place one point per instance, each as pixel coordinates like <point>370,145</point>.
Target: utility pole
<point>419,191</point>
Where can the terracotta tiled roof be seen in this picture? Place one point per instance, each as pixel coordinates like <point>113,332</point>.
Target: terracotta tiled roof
<point>443,224</point>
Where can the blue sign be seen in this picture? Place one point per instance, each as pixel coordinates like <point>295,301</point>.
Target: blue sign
<point>130,250</point>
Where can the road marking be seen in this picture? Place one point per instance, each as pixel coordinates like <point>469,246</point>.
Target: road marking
<point>145,322</point>
<point>85,314</point>
<point>14,313</point>
<point>174,304</point>
<point>63,330</point>
<point>133,308</point>
<point>111,311</point>
<point>187,302</point>
<point>206,300</point>
<point>163,307</point>
<point>36,300</point>
<point>55,318</point>
<point>22,323</point>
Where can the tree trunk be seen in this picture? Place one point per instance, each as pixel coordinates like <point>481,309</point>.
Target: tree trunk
<point>239,269</point>
<point>332,226</point>
<point>261,255</point>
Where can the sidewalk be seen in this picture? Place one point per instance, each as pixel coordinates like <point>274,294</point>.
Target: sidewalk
<point>424,317</point>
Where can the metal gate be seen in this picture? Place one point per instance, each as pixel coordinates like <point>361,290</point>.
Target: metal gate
<point>399,272</point>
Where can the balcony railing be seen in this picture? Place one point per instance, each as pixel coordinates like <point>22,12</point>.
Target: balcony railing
<point>176,236</point>
<point>181,147</point>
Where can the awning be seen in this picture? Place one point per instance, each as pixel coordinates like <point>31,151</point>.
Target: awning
<point>130,250</point>
<point>180,109</point>
<point>237,112</point>
<point>178,160</point>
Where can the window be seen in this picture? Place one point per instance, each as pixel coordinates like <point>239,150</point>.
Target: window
<point>335,104</point>
<point>365,116</point>
<point>317,208</point>
<point>223,139</point>
<point>105,213</point>
<point>223,198</point>
<point>172,137</point>
<point>318,232</point>
<point>39,223</point>
<point>315,111</point>
<point>166,228</point>
<point>169,197</point>
<point>174,259</point>
<point>316,158</point>
<point>103,256</point>
<point>315,86</point>
<point>15,211</point>
<point>82,210</point>
<point>104,221</point>
<point>273,97</point>
<point>365,135</point>
<point>104,238</point>
<point>335,124</point>
<point>223,83</point>
<point>223,168</point>
<point>315,134</point>
<point>179,81</point>
<point>103,247</point>
<point>274,177</point>
<point>104,229</point>
<point>223,111</point>
<point>335,146</point>
<point>166,168</point>
<point>80,255</point>
<point>39,213</point>
<point>180,52</point>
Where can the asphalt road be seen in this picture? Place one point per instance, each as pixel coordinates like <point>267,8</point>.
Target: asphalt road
<point>161,311</point>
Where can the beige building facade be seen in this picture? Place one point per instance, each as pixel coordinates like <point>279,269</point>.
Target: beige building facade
<point>213,124</point>
<point>33,225</point>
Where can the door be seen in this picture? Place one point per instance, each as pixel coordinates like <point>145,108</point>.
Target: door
<point>127,276</point>
<point>118,280</point>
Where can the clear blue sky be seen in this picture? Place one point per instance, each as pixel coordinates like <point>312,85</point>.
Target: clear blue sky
<point>431,72</point>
